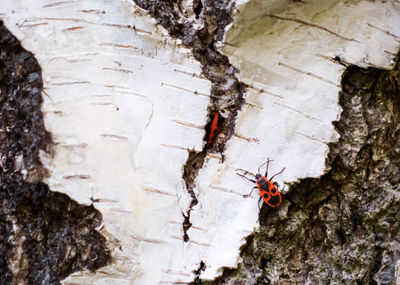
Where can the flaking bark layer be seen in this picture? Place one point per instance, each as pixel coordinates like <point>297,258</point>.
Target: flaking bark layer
<point>44,236</point>
<point>344,227</point>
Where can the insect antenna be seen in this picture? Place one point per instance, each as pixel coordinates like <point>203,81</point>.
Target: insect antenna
<point>278,173</point>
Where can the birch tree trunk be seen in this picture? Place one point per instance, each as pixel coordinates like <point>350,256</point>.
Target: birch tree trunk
<point>124,125</point>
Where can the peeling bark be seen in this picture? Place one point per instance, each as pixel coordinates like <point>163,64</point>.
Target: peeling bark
<point>344,226</point>
<point>44,236</point>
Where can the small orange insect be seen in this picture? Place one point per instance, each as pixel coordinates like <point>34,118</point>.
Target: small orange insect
<point>214,129</point>
<point>268,189</point>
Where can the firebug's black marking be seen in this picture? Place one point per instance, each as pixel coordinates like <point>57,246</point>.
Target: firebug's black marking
<point>262,182</point>
<point>275,200</point>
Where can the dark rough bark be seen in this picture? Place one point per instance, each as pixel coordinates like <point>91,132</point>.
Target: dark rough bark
<point>343,227</point>
<point>44,236</point>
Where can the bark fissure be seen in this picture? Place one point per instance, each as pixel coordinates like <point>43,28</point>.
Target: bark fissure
<point>45,236</point>
<point>201,29</point>
<point>197,273</point>
<point>342,227</point>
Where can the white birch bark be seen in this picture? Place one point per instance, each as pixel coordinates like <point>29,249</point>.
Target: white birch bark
<point>124,102</point>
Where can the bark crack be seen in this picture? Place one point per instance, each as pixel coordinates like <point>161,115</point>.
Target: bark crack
<point>201,28</point>
<point>197,273</point>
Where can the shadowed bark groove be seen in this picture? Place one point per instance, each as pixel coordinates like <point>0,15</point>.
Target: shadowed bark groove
<point>344,227</point>
<point>44,236</point>
<point>226,96</point>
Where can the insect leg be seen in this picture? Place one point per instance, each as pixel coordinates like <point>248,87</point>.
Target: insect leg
<point>259,208</point>
<point>248,195</point>
<point>277,173</point>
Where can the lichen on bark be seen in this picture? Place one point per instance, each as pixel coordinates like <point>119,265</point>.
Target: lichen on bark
<point>343,227</point>
<point>44,235</point>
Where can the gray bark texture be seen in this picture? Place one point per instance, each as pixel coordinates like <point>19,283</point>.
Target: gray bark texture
<point>340,228</point>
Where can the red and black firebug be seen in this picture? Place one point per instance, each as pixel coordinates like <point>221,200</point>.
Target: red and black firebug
<point>268,189</point>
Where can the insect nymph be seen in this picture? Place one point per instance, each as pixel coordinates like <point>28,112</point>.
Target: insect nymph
<point>268,189</point>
